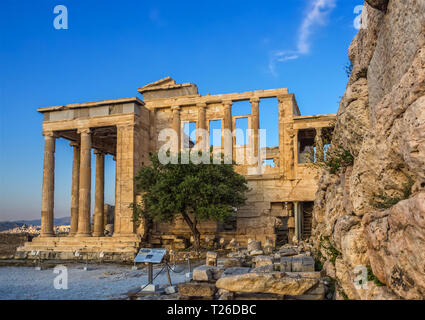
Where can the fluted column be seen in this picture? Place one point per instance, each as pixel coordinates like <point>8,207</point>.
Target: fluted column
<point>84,229</point>
<point>320,153</point>
<point>177,128</point>
<point>75,188</point>
<point>202,126</point>
<point>98,229</point>
<point>255,122</point>
<point>47,202</point>
<point>227,131</point>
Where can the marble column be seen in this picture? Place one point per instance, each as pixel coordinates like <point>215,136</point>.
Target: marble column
<point>255,122</point>
<point>75,188</point>
<point>47,202</point>
<point>202,126</point>
<point>98,229</point>
<point>320,152</point>
<point>227,131</point>
<point>177,128</point>
<point>84,228</point>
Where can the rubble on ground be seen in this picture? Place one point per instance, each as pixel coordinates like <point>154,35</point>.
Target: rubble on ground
<point>257,272</point>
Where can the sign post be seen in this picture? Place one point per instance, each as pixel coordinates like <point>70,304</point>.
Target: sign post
<point>150,256</point>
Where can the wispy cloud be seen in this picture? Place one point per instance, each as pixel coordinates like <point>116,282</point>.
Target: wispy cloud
<point>316,14</point>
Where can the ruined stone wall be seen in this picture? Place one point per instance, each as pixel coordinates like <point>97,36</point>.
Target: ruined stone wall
<point>372,213</point>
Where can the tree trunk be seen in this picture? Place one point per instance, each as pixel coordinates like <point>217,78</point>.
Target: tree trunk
<point>195,232</point>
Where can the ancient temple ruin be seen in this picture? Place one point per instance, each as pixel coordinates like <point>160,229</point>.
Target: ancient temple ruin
<point>280,199</point>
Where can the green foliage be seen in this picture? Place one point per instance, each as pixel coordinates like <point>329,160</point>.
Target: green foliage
<point>330,249</point>
<point>361,74</point>
<point>372,277</point>
<point>339,158</point>
<point>343,294</point>
<point>198,192</point>
<point>383,201</point>
<point>348,69</point>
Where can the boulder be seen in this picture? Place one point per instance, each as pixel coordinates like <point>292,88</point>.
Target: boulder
<point>275,283</point>
<point>206,273</point>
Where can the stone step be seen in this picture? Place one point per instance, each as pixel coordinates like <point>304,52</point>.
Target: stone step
<point>80,249</point>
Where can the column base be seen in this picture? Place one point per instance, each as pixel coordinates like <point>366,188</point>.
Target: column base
<point>100,234</point>
<point>81,235</point>
<point>47,235</point>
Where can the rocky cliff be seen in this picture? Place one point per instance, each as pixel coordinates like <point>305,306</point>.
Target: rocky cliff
<point>370,209</point>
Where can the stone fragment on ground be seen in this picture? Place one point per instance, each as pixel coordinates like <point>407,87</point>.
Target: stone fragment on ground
<point>196,289</point>
<point>275,283</point>
<point>206,273</point>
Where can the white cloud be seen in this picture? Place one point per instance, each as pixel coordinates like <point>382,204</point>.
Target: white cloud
<point>317,13</point>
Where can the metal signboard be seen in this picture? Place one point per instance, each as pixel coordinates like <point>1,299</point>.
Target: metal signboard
<point>150,255</point>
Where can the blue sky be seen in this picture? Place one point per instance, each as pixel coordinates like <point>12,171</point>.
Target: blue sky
<point>113,47</point>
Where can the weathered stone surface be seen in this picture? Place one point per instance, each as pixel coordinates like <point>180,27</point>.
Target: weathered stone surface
<point>256,252</point>
<point>196,289</point>
<point>381,122</point>
<point>263,269</point>
<point>254,245</point>
<point>229,262</point>
<point>286,264</point>
<point>206,273</point>
<point>378,4</point>
<point>396,242</point>
<point>262,261</point>
<point>235,271</point>
<point>287,252</point>
<point>302,264</point>
<point>266,283</point>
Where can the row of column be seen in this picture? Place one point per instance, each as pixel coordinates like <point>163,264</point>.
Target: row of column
<point>81,187</point>
<point>227,124</point>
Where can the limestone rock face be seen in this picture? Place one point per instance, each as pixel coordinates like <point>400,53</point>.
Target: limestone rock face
<point>275,283</point>
<point>372,213</point>
<point>394,238</point>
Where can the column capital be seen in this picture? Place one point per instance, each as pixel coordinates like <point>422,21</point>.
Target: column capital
<point>74,144</point>
<point>124,126</point>
<point>283,99</point>
<point>254,100</point>
<point>175,108</point>
<point>227,103</point>
<point>201,105</point>
<point>83,130</point>
<point>50,133</point>
<point>99,152</point>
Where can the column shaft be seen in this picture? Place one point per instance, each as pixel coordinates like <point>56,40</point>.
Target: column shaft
<point>75,188</point>
<point>176,127</point>
<point>320,153</point>
<point>84,228</point>
<point>99,195</point>
<point>47,203</point>
<point>227,131</point>
<point>202,126</point>
<point>255,122</point>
